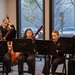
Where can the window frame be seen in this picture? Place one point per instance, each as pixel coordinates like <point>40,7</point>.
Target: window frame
<point>18,18</point>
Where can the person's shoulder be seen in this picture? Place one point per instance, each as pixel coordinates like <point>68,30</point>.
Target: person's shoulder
<point>73,36</point>
<point>1,27</point>
<point>61,39</point>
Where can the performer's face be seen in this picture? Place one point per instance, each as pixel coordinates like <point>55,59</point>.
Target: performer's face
<point>55,36</point>
<point>5,22</point>
<point>29,34</point>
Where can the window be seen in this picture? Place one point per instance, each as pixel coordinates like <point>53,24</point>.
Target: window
<point>64,16</point>
<point>31,16</point>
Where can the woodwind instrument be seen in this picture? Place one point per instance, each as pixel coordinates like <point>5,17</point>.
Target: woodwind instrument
<point>33,38</point>
<point>9,31</point>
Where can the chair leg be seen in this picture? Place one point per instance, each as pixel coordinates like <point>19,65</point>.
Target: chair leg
<point>3,68</point>
<point>64,67</point>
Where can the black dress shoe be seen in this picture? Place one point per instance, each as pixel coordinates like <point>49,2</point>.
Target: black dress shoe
<point>20,73</point>
<point>6,73</point>
<point>33,74</point>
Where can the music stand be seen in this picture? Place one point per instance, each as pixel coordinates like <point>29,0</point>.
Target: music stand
<point>45,47</point>
<point>70,43</point>
<point>11,35</point>
<point>22,45</point>
<point>3,47</point>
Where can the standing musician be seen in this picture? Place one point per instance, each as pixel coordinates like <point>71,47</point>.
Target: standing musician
<point>27,57</point>
<point>59,58</point>
<point>5,57</point>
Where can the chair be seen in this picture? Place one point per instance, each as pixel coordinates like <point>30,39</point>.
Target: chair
<point>3,50</point>
<point>26,71</point>
<point>64,67</point>
<point>2,66</point>
<point>39,56</point>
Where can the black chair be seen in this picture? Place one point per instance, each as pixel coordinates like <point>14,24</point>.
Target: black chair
<point>2,66</point>
<point>63,68</point>
<point>3,50</point>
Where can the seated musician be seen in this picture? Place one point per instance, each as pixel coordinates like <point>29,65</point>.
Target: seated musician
<point>28,57</point>
<point>5,57</point>
<point>5,27</point>
<point>60,46</point>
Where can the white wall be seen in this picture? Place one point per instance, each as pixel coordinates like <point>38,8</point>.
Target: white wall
<point>2,10</point>
<point>11,10</point>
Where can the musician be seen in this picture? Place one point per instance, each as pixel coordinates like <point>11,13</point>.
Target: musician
<point>28,57</point>
<point>59,58</point>
<point>5,57</point>
<point>5,27</point>
<point>10,26</point>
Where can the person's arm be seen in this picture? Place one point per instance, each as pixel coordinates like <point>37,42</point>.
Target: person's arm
<point>62,47</point>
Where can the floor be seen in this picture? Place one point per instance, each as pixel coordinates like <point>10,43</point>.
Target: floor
<point>39,68</point>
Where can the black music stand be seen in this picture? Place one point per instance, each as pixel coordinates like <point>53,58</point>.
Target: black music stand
<point>3,47</point>
<point>70,43</point>
<point>22,45</point>
<point>69,50</point>
<point>45,47</point>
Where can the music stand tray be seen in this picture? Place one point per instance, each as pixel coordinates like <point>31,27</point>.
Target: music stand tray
<point>45,47</point>
<point>70,43</point>
<point>22,45</point>
<point>3,47</point>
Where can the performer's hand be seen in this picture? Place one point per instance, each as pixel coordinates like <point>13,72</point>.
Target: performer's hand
<point>17,54</point>
<point>57,51</point>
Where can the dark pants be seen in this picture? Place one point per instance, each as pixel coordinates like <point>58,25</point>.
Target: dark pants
<point>55,62</point>
<point>30,59</point>
<point>5,58</point>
